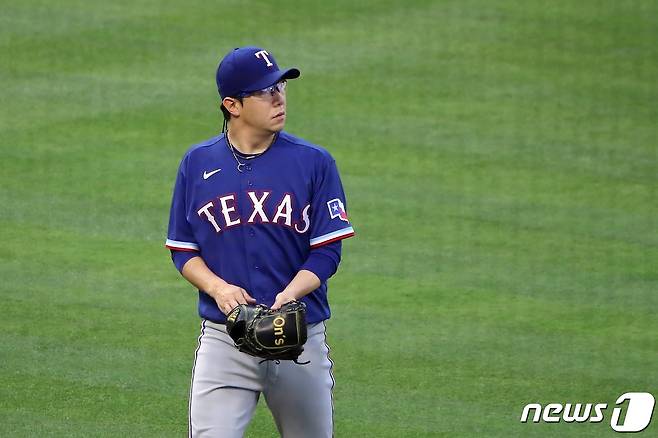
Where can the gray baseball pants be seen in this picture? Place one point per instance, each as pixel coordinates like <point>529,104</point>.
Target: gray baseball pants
<point>226,385</point>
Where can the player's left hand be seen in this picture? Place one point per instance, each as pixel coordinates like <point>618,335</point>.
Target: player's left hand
<point>282,298</point>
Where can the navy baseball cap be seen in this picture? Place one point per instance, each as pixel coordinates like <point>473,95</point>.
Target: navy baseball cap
<point>249,69</point>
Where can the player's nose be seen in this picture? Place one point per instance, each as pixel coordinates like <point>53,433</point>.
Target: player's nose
<point>278,98</point>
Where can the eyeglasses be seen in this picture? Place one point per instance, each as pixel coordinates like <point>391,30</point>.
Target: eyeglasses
<point>279,87</point>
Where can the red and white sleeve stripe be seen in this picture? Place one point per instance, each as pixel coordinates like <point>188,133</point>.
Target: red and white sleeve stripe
<point>181,246</point>
<point>332,237</point>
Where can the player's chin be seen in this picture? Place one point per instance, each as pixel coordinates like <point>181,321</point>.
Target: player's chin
<point>278,123</point>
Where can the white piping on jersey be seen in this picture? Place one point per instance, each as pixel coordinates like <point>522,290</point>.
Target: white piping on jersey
<point>176,244</point>
<point>345,232</point>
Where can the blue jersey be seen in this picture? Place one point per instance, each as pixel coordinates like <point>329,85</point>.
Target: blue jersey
<point>255,228</point>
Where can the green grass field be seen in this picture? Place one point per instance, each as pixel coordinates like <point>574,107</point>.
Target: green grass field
<point>501,165</point>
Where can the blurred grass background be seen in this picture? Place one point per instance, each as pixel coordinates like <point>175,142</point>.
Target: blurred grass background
<point>500,161</point>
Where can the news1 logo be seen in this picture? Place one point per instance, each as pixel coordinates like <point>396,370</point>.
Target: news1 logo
<point>637,416</point>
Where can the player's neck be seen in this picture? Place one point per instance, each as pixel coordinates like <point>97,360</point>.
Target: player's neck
<point>248,141</point>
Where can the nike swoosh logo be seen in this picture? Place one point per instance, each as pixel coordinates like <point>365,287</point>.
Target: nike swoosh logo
<point>207,174</point>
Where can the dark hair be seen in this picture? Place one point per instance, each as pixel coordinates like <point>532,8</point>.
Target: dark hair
<point>226,114</point>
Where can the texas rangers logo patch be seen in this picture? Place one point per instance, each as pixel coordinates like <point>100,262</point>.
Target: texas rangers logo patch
<point>337,209</point>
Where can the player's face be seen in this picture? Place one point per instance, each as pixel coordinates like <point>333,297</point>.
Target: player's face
<point>266,109</point>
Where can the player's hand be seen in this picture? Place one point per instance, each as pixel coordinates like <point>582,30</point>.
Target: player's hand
<point>282,298</point>
<point>230,296</point>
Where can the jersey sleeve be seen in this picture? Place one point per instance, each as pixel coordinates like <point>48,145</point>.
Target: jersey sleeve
<point>181,257</point>
<point>180,236</point>
<point>323,261</point>
<point>329,221</point>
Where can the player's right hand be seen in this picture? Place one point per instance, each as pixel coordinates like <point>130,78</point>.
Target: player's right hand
<point>230,296</point>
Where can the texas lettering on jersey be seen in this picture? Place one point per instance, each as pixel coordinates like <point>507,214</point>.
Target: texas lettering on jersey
<point>224,210</point>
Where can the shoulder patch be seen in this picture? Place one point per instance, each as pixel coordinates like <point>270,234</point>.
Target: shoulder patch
<point>337,209</point>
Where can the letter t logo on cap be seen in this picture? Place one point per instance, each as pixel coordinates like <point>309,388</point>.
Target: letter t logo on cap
<point>264,54</point>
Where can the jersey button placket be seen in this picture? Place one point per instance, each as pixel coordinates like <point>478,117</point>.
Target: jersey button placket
<point>250,249</point>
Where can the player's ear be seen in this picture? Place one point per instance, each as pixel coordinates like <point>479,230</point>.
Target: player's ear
<point>232,105</point>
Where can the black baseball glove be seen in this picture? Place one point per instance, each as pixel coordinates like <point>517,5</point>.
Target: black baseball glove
<point>269,334</point>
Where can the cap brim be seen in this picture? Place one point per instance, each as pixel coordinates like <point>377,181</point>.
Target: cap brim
<point>273,78</point>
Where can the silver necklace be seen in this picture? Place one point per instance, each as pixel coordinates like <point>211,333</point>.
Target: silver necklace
<point>240,165</point>
<point>232,149</point>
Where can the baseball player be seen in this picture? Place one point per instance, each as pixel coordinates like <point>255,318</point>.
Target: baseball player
<point>257,217</point>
